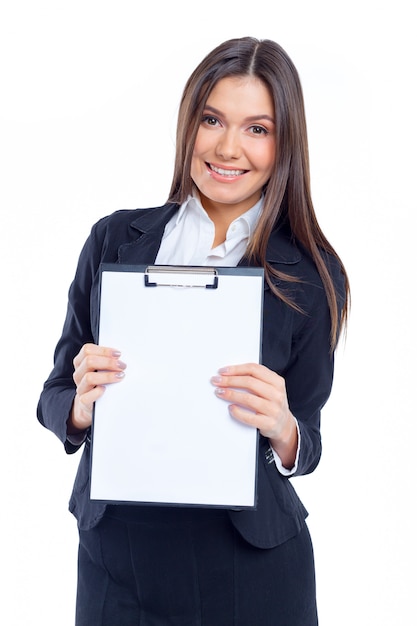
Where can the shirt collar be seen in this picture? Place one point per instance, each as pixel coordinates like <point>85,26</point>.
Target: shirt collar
<point>250,217</point>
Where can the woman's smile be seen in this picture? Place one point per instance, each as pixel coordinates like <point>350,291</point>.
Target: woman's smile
<point>223,172</point>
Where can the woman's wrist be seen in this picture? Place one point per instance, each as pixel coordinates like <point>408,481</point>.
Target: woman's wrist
<point>75,425</point>
<point>286,445</point>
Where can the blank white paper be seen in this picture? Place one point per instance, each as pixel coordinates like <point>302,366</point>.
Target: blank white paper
<point>161,435</point>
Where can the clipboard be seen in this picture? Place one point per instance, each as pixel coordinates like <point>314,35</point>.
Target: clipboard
<point>161,435</point>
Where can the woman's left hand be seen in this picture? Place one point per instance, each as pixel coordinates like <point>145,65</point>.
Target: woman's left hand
<point>258,398</point>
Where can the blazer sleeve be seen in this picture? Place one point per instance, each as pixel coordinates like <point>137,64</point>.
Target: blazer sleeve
<point>59,390</point>
<point>308,381</point>
<point>309,375</point>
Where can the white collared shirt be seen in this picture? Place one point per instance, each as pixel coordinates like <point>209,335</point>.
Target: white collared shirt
<point>189,236</point>
<point>188,239</point>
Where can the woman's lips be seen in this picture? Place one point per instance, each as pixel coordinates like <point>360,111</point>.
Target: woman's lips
<point>228,173</point>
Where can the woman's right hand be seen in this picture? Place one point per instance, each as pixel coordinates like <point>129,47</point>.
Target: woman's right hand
<point>94,368</point>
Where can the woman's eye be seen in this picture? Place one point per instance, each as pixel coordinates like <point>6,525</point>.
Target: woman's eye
<point>210,120</point>
<point>259,130</point>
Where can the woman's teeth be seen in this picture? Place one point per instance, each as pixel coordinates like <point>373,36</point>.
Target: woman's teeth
<point>223,172</point>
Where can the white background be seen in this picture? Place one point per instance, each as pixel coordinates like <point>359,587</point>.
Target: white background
<point>89,96</point>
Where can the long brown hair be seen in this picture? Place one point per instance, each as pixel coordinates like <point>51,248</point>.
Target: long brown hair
<point>287,195</point>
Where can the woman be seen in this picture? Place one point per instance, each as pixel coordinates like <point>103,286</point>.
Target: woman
<point>240,196</point>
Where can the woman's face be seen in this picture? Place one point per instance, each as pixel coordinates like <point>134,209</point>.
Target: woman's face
<point>235,148</point>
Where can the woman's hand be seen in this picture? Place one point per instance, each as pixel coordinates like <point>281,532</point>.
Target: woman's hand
<point>258,397</point>
<point>94,367</point>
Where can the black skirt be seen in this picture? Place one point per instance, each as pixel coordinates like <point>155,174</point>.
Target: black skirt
<point>163,566</point>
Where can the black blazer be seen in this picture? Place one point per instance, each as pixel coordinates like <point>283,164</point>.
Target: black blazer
<point>295,345</point>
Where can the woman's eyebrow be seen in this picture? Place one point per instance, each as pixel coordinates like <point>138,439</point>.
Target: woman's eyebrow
<point>250,118</point>
<point>261,116</point>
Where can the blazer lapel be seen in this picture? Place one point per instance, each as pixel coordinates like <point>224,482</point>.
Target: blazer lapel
<point>150,227</point>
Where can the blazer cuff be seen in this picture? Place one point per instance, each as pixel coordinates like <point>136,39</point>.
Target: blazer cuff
<point>78,439</point>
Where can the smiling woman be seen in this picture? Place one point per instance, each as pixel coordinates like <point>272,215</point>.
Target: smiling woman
<point>234,151</point>
<point>240,195</point>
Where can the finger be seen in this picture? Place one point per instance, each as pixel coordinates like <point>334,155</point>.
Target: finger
<point>275,394</point>
<point>87,399</point>
<point>93,363</point>
<point>247,401</point>
<point>250,369</point>
<point>92,349</point>
<point>249,383</point>
<point>246,416</point>
<point>267,426</point>
<point>97,363</point>
<point>98,379</point>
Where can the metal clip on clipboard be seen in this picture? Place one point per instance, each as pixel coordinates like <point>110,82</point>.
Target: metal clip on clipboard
<point>167,276</point>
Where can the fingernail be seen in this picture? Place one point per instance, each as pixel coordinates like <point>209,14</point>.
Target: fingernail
<point>223,370</point>
<point>121,365</point>
<point>219,391</point>
<point>216,379</point>
<point>119,374</point>
<point>116,353</point>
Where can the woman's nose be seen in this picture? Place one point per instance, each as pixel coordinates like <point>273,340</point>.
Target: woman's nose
<point>229,146</point>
